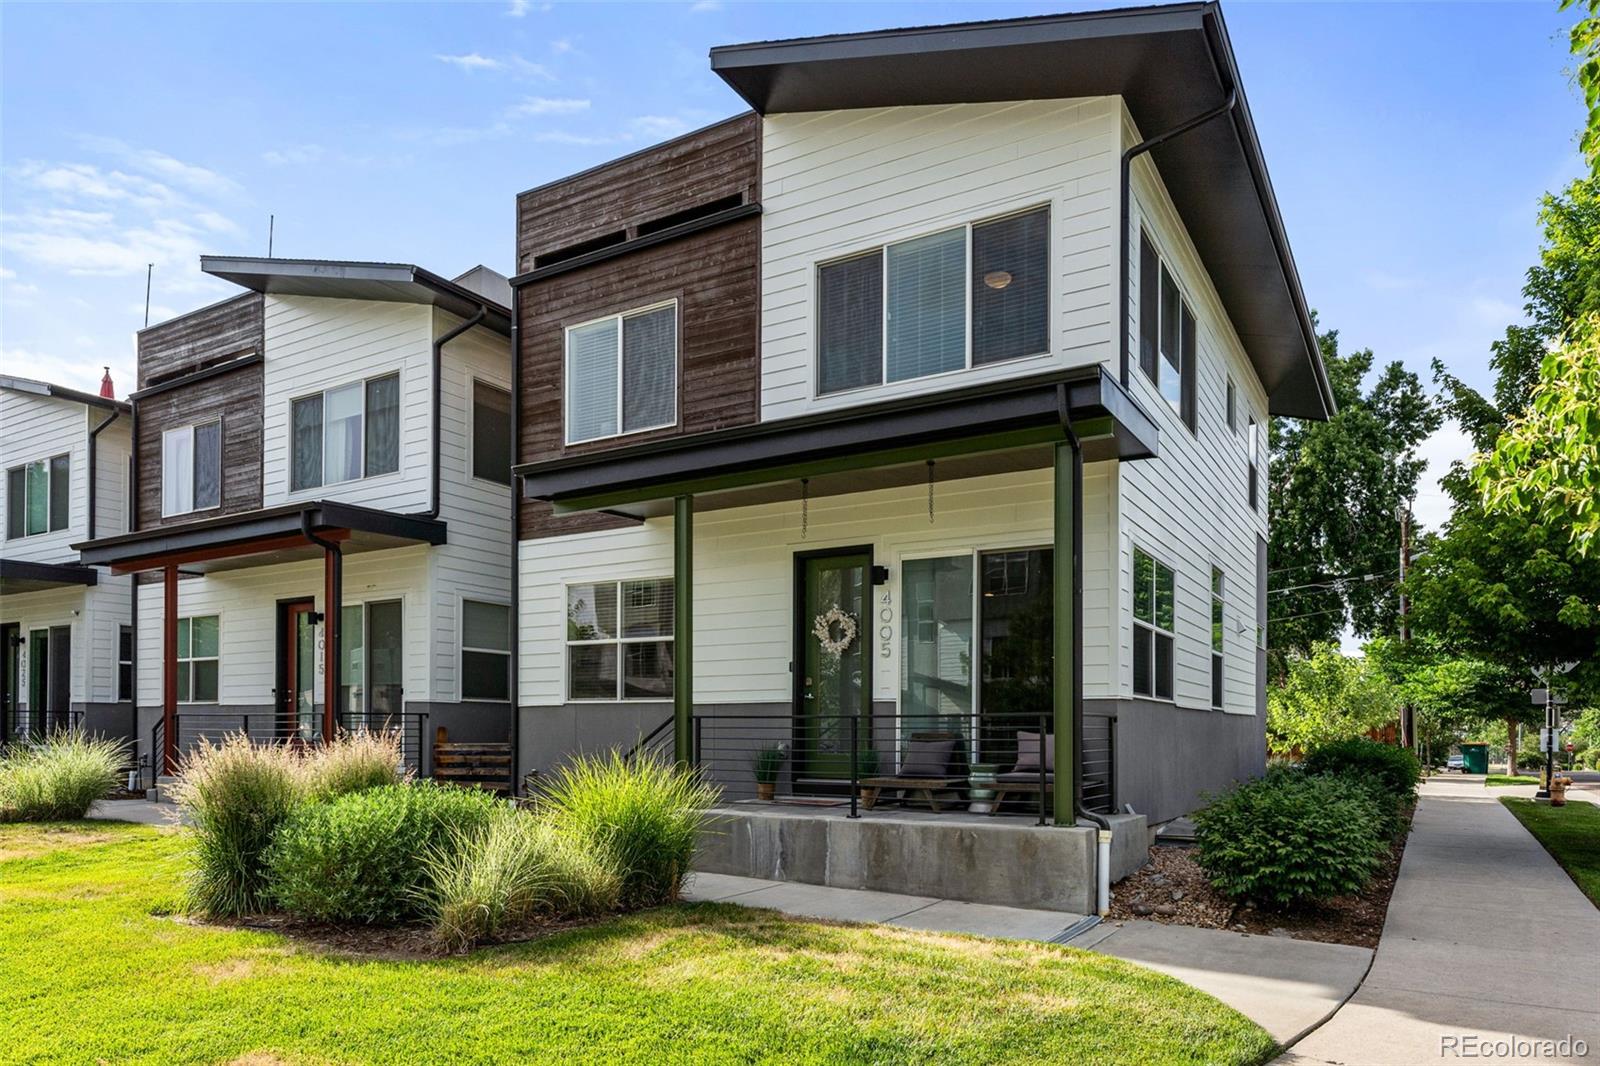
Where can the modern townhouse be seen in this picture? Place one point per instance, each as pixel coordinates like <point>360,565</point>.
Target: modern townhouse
<point>903,439</point>
<point>65,641</point>
<point>322,509</point>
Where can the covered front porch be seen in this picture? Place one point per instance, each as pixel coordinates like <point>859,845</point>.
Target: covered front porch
<point>301,661</point>
<point>930,661</point>
<point>39,604</point>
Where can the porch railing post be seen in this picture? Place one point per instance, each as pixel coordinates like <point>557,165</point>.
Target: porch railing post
<point>699,734</point>
<point>682,628</point>
<point>1044,777</point>
<point>855,763</point>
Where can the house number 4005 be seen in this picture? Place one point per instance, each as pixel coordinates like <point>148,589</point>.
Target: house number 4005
<point>885,624</point>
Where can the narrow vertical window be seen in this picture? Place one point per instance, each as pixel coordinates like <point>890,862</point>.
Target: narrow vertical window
<point>650,369</point>
<point>343,433</point>
<point>850,320</point>
<point>1011,287</point>
<point>207,491</point>
<point>305,430</point>
<point>177,471</point>
<point>491,433</point>
<point>16,502</point>
<point>124,663</point>
<point>1189,360</point>
<point>1252,448</point>
<point>1154,611</point>
<point>1149,306</point>
<point>60,491</point>
<point>593,375</point>
<point>1217,636</point>
<point>1233,406</point>
<point>383,425</point>
<point>927,305</point>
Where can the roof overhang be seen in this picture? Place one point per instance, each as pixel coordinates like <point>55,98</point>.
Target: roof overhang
<point>18,576</point>
<point>261,538</point>
<point>44,388</point>
<point>988,429</point>
<point>391,282</point>
<point>1168,63</point>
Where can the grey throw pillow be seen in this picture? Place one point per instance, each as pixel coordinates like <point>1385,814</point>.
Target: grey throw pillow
<point>927,758</point>
<point>1028,752</point>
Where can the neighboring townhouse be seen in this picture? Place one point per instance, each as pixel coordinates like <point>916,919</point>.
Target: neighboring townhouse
<point>337,434</point>
<point>911,416</point>
<point>65,641</point>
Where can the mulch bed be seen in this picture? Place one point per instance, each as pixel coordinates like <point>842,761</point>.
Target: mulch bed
<point>1173,890</point>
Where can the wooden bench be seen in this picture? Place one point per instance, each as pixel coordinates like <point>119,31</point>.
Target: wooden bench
<point>923,787</point>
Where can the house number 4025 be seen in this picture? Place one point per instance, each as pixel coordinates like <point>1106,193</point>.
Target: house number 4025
<point>885,624</point>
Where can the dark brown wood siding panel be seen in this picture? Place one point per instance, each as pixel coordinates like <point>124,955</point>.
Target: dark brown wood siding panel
<point>713,276</point>
<point>234,397</point>
<point>697,168</point>
<point>201,338</point>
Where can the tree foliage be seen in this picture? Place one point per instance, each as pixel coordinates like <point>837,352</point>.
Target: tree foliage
<point>1326,697</point>
<point>1335,487</point>
<point>1586,49</point>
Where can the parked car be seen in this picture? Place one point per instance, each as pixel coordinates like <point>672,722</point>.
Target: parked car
<point>1456,762</point>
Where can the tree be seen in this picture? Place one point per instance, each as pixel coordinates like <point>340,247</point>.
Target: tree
<point>1586,47</point>
<point>1327,696</point>
<point>1335,487</point>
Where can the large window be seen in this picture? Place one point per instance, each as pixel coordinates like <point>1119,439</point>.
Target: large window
<point>369,663</point>
<point>485,651</point>
<point>1216,637</point>
<point>1154,608</point>
<point>1167,336</point>
<point>491,433</point>
<point>37,497</point>
<point>197,659</point>
<point>959,298</point>
<point>622,374</point>
<point>124,663</point>
<point>346,433</point>
<point>619,640</point>
<point>191,468</point>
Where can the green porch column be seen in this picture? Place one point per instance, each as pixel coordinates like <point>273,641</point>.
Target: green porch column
<point>1068,500</point>
<point>683,629</point>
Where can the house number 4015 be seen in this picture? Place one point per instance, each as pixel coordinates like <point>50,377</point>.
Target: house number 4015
<point>885,624</point>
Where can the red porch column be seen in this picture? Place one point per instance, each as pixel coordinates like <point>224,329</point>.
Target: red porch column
<point>169,669</point>
<point>332,595</point>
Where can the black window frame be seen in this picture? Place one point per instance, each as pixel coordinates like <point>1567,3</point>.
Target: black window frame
<point>1156,277</point>
<point>1150,640</point>
<point>501,474</point>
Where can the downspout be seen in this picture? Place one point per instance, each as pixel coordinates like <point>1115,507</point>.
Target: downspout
<point>93,433</point>
<point>1125,217</point>
<point>438,362</point>
<point>331,659</point>
<point>1102,863</point>
<point>516,565</point>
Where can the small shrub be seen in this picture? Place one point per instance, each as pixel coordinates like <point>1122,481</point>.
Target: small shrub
<point>360,857</point>
<point>235,794</point>
<point>514,870</point>
<point>60,779</point>
<point>354,762</point>
<point>1291,838</point>
<point>642,816</point>
<point>769,763</point>
<point>1395,767</point>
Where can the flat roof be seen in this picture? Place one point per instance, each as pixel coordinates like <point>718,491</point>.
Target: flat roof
<point>18,576</point>
<point>347,280</point>
<point>61,392</point>
<point>1169,63</point>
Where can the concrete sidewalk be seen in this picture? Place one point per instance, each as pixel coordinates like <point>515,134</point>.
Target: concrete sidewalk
<point>144,812</point>
<point>1284,986</point>
<point>1478,905</point>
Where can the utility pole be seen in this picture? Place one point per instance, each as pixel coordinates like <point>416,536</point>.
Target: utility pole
<point>1408,723</point>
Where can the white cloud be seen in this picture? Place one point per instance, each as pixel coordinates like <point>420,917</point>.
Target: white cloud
<point>1448,445</point>
<point>544,105</point>
<point>196,178</point>
<point>517,8</point>
<point>470,61</point>
<point>658,126</point>
<point>1494,311</point>
<point>81,372</point>
<point>566,137</point>
<point>705,5</point>
<point>562,46</point>
<point>6,273</point>
<point>294,155</point>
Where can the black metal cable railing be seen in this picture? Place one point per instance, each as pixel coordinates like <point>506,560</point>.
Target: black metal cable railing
<point>21,725</point>
<point>268,727</point>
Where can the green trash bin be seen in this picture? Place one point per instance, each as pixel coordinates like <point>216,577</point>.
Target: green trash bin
<point>1475,758</point>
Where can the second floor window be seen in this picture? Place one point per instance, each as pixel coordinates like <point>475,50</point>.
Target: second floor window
<point>1154,610</point>
<point>491,433</point>
<point>37,497</point>
<point>1252,444</point>
<point>622,374</point>
<point>1167,335</point>
<point>191,468</point>
<point>953,300</point>
<point>346,433</point>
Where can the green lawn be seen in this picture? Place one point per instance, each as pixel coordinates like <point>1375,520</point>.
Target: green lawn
<point>95,970</point>
<point>1571,834</point>
<point>1501,780</point>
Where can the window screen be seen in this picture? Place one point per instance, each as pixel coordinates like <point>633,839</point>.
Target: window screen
<point>491,433</point>
<point>1010,287</point>
<point>207,465</point>
<point>649,369</point>
<point>383,425</point>
<point>927,305</point>
<point>305,418</point>
<point>592,375</point>
<point>60,491</point>
<point>850,319</point>
<point>16,501</point>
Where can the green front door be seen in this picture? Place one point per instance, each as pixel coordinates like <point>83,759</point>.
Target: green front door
<point>38,680</point>
<point>833,676</point>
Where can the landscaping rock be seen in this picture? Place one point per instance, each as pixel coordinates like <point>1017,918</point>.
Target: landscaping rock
<point>1166,910</point>
<point>1142,909</point>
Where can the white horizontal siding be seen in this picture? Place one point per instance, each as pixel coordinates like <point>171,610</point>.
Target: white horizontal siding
<point>835,183</point>
<point>46,609</point>
<point>112,448</point>
<point>744,576</point>
<point>40,427</point>
<point>314,344</point>
<point>1189,507</point>
<point>476,562</point>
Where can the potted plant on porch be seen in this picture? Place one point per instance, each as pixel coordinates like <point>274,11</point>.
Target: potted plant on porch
<point>769,762</point>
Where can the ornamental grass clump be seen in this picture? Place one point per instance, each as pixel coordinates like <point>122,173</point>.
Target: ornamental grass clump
<point>640,815</point>
<point>235,794</point>
<point>517,869</point>
<point>60,778</point>
<point>353,762</point>
<point>359,857</point>
<point>1292,838</point>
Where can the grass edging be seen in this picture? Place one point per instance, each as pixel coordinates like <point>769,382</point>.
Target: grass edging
<point>1571,834</point>
<point>1508,780</point>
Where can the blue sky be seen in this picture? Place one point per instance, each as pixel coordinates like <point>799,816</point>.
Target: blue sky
<point>1408,145</point>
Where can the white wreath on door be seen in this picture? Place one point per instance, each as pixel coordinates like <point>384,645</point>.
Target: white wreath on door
<point>835,630</point>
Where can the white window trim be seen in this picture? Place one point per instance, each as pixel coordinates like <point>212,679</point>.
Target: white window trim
<point>1133,569</point>
<point>400,468</point>
<point>217,658</point>
<point>1164,265</point>
<point>189,429</point>
<point>566,384</point>
<point>566,661</point>
<point>48,478</point>
<point>882,252</point>
<point>473,381</point>
<point>462,647</point>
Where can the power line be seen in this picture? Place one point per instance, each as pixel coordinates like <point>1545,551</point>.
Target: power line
<point>1333,581</point>
<point>1389,554</point>
<point>1308,614</point>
